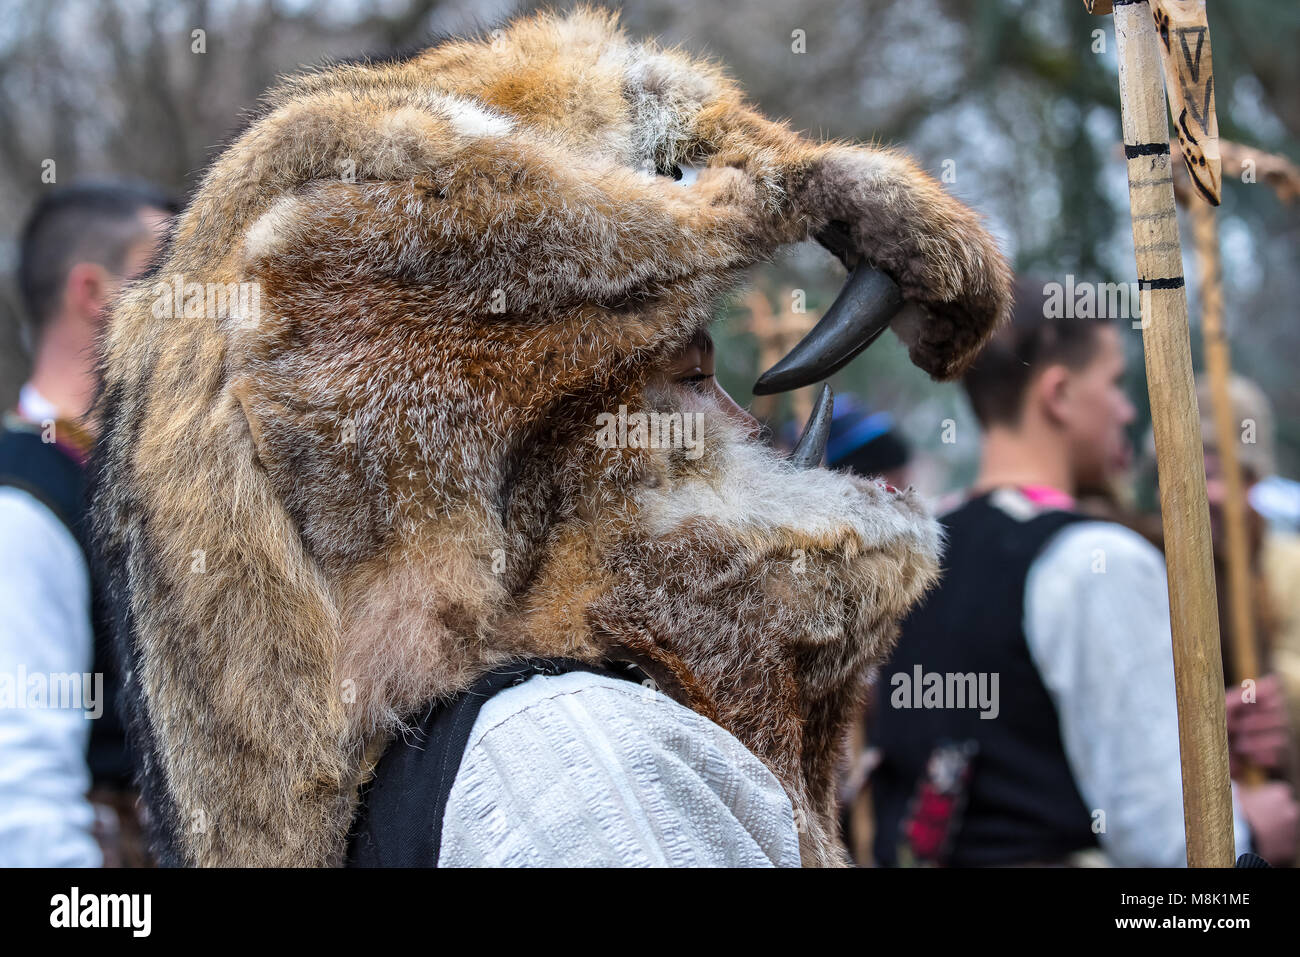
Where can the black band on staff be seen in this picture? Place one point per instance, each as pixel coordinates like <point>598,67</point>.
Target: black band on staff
<point>1125,3</point>
<point>1175,283</point>
<point>1133,150</point>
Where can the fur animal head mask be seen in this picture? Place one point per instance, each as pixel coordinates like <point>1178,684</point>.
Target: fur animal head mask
<point>330,495</point>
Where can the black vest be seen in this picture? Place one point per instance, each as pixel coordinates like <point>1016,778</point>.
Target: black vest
<point>1022,801</point>
<point>50,475</point>
<point>400,811</point>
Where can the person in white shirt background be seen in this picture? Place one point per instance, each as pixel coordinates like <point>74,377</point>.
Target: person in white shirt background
<point>1088,616</point>
<point>79,244</point>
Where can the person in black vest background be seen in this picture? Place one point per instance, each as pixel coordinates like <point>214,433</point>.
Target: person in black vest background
<point>65,774</point>
<point>1027,715</point>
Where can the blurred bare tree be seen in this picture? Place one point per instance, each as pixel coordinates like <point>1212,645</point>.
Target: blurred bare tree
<point>152,89</point>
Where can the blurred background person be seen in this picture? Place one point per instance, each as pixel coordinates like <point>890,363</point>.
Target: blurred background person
<point>64,780</point>
<point>1273,555</point>
<point>864,442</point>
<point>1261,716</point>
<point>1078,750</point>
<point>871,445</point>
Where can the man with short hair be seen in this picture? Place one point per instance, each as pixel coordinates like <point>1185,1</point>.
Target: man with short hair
<point>1064,618</point>
<point>79,245</point>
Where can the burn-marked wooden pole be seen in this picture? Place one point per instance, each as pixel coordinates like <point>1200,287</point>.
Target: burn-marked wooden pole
<point>1284,177</point>
<point>1218,366</point>
<point>776,334</point>
<point>1194,620</point>
<point>1242,644</point>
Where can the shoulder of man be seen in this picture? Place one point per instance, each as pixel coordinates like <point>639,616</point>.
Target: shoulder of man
<point>34,540</point>
<point>1097,589</point>
<point>1097,547</point>
<point>583,769</point>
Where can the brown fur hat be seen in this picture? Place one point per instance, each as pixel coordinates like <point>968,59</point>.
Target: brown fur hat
<point>375,471</point>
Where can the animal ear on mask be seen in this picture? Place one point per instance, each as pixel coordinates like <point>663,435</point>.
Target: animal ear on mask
<point>239,390</point>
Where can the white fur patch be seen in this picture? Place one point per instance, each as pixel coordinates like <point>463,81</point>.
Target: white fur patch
<point>470,119</point>
<point>747,485</point>
<point>269,230</point>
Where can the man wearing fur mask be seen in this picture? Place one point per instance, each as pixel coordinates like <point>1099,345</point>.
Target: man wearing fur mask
<point>330,511</point>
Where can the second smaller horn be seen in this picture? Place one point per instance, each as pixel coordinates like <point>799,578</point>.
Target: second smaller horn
<point>810,451</point>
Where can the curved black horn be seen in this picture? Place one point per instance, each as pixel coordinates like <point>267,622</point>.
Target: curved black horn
<point>810,451</point>
<point>857,317</point>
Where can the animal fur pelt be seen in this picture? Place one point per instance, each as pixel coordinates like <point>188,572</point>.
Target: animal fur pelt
<point>322,508</point>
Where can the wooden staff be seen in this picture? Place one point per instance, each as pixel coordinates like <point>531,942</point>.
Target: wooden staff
<point>1242,641</point>
<point>777,334</point>
<point>1284,178</point>
<point>1242,647</point>
<point>1194,619</point>
<point>1276,172</point>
